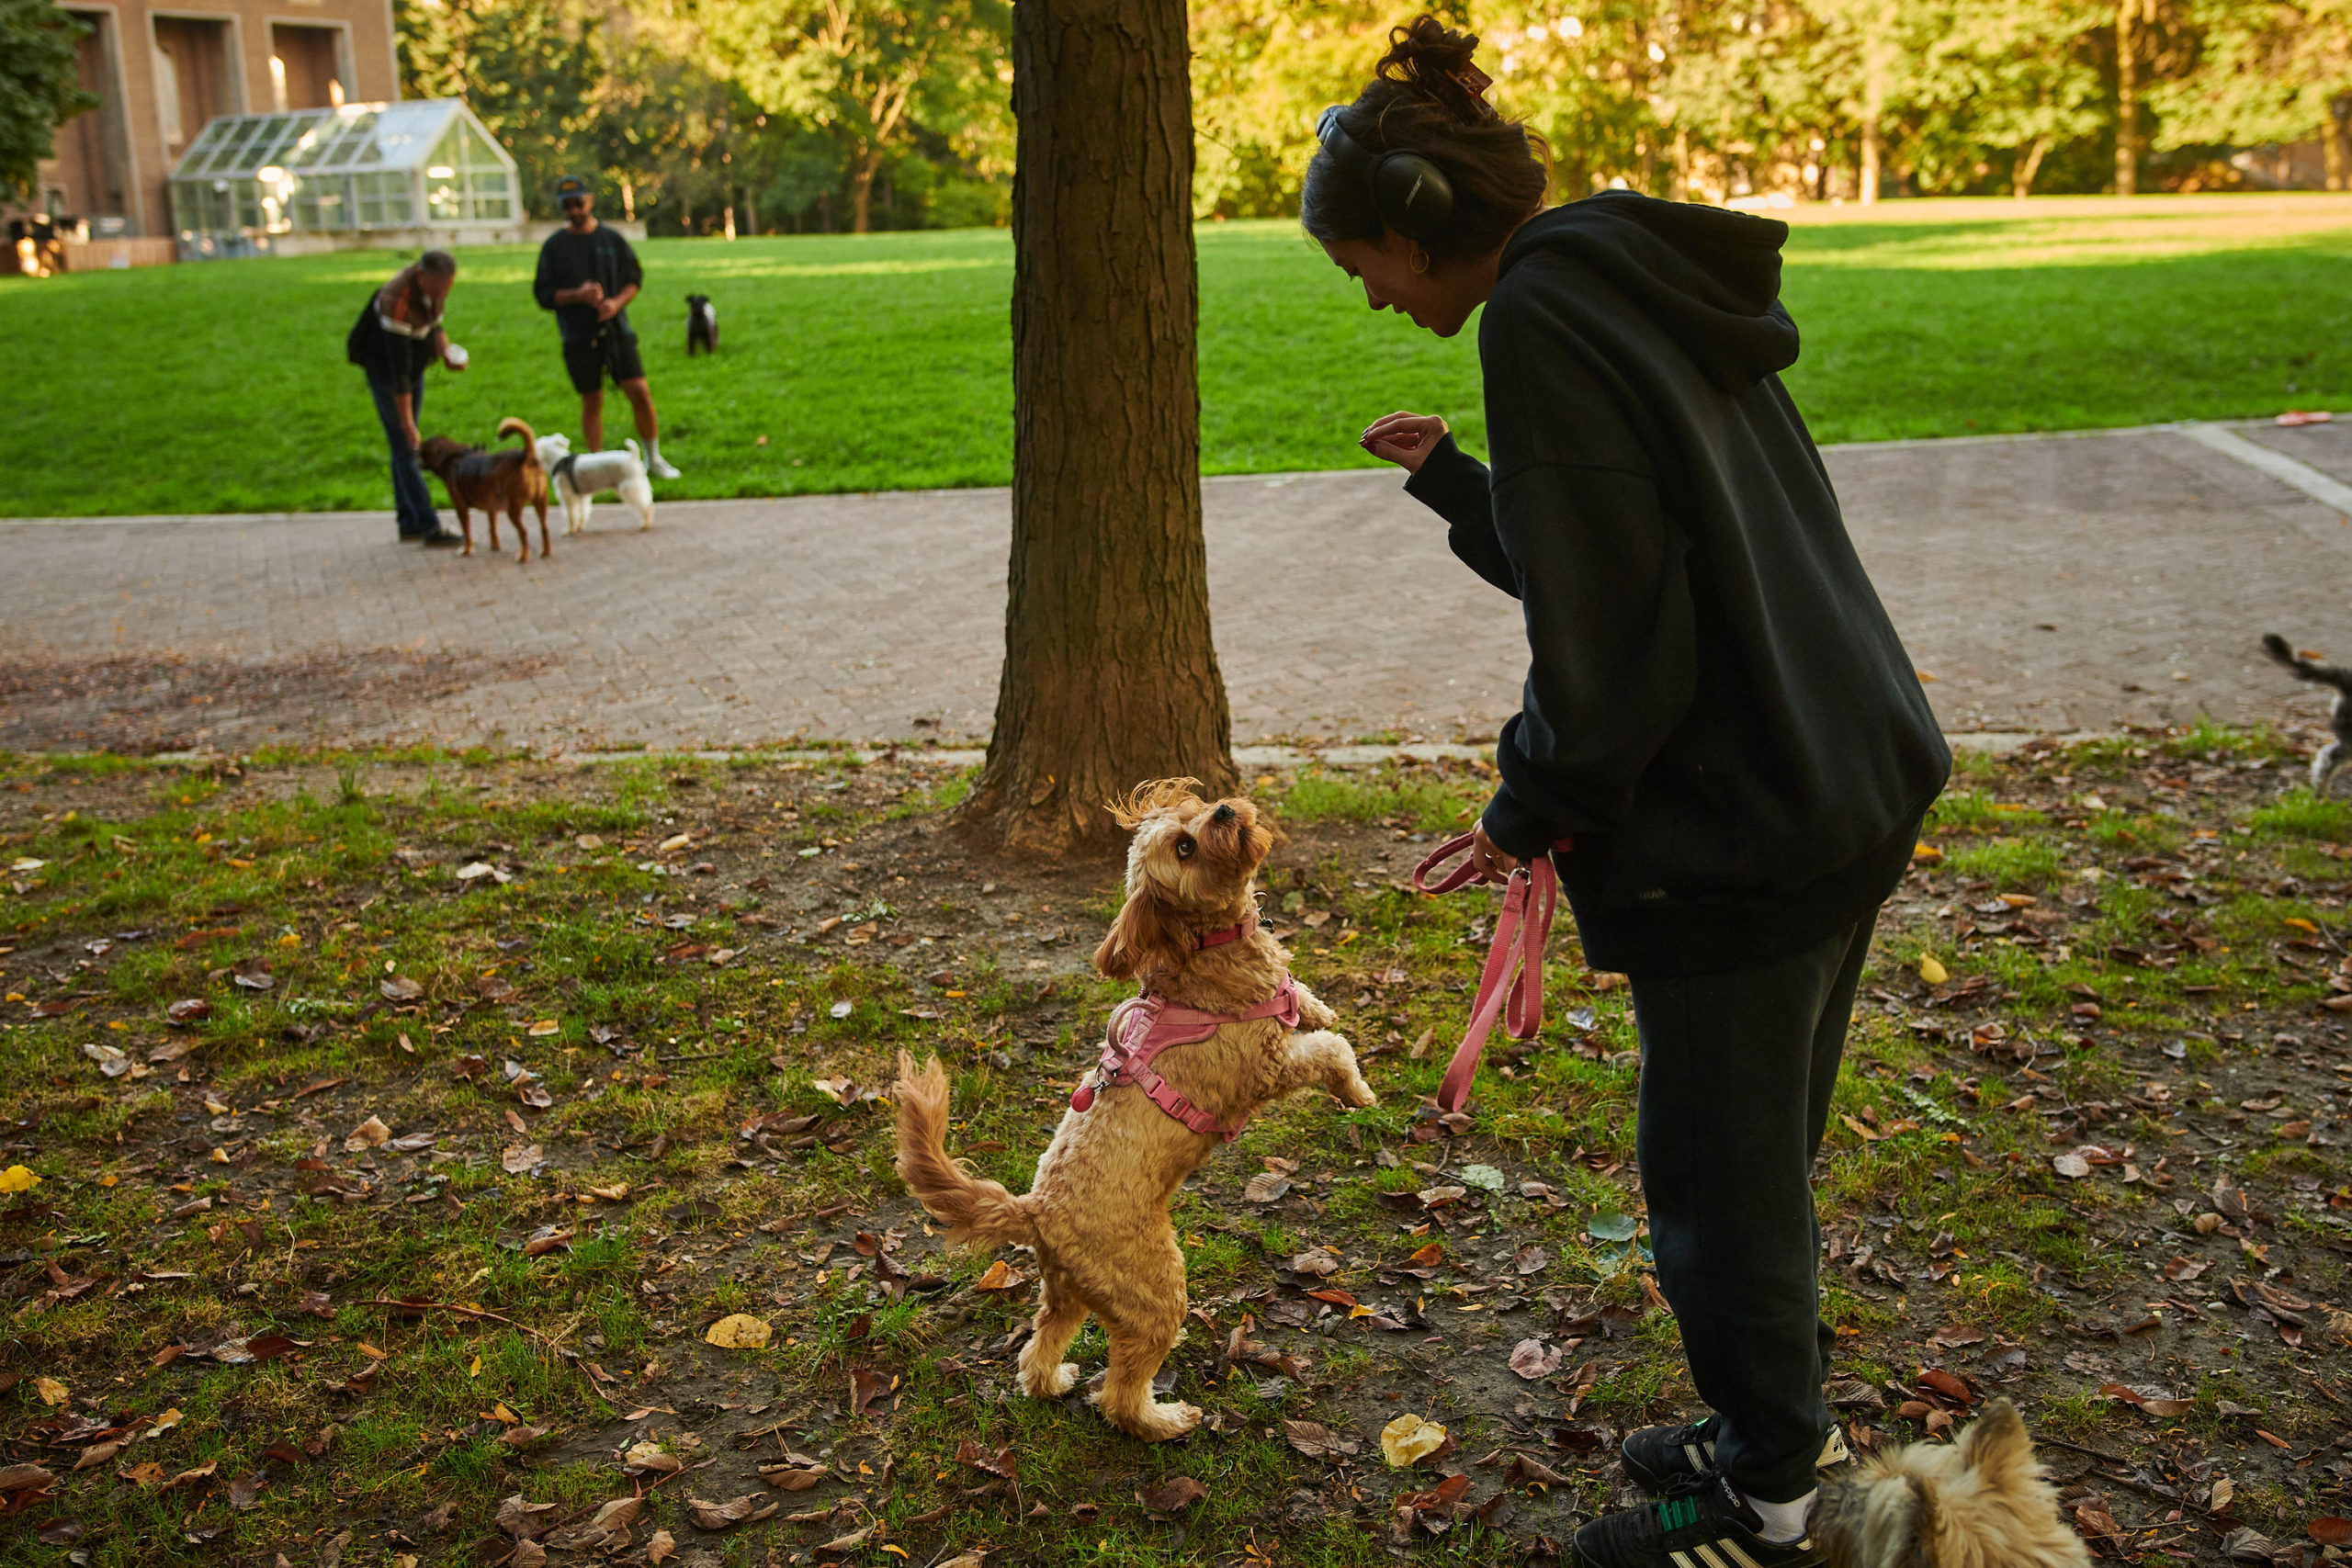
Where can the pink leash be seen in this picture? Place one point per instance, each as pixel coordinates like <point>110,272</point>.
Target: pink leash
<point>1511,988</point>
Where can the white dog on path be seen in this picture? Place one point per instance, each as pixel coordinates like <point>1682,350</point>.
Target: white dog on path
<point>576,478</point>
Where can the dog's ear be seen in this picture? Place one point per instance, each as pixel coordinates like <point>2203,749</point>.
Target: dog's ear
<point>1150,795</point>
<point>1997,1446</point>
<point>1145,938</point>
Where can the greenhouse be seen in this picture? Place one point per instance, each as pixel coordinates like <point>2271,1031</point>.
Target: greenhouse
<point>263,182</point>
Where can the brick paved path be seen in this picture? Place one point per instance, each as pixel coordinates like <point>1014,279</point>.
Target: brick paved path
<point>2055,584</point>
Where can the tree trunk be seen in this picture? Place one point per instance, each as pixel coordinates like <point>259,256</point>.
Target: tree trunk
<point>862,171</point>
<point>1877,53</point>
<point>1110,675</point>
<point>2127,98</point>
<point>2029,165</point>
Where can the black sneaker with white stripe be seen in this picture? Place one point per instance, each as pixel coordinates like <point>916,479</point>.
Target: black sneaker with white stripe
<point>1700,1522</point>
<point>1658,1457</point>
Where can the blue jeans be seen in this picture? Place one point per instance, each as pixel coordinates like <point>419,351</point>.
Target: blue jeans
<point>410,496</point>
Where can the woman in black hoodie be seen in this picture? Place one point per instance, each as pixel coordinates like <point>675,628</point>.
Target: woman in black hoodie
<point>1720,741</point>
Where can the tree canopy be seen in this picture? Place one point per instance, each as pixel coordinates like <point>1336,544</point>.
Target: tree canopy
<point>39,89</point>
<point>842,114</point>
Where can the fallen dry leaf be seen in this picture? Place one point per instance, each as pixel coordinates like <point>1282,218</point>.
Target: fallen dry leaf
<point>608,1526</point>
<point>1411,1438</point>
<point>1315,1441</point>
<point>1178,1493</point>
<point>746,1509</point>
<point>1531,1360</point>
<point>1264,1187</point>
<point>368,1135</point>
<point>521,1157</point>
<point>52,1391</point>
<point>661,1548</point>
<point>738,1331</point>
<point>1001,1463</point>
<point>521,1518</point>
<point>1000,1277</point>
<point>2154,1404</point>
<point>789,1477</point>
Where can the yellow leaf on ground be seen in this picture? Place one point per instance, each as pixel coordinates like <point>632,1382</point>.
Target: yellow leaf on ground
<point>738,1331</point>
<point>17,1179</point>
<point>1932,972</point>
<point>998,1278</point>
<point>52,1391</point>
<point>1410,1439</point>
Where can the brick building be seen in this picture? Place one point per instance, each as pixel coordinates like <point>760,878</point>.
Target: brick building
<point>164,70</point>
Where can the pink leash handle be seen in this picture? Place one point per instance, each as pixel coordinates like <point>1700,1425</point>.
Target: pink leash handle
<point>1511,989</point>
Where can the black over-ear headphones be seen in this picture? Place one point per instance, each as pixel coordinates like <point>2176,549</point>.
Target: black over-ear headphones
<point>1412,193</point>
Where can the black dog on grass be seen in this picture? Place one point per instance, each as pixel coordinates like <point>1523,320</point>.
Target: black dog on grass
<point>2333,755</point>
<point>702,324</point>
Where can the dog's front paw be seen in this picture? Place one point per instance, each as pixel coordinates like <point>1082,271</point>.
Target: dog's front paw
<point>1164,1423</point>
<point>1038,1383</point>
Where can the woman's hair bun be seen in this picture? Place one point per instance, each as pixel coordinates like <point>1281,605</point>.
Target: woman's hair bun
<point>1435,60</point>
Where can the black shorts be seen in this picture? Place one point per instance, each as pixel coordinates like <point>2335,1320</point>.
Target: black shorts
<point>587,362</point>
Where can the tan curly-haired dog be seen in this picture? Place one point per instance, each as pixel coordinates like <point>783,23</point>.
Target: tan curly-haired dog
<point>1097,1213</point>
<point>1984,1502</point>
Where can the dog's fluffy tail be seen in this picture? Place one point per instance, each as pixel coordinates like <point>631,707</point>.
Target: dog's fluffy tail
<point>634,451</point>
<point>510,426</point>
<point>2333,675</point>
<point>979,1210</point>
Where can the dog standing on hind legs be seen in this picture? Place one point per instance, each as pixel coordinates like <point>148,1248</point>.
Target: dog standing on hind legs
<point>1219,1031</point>
<point>2338,749</point>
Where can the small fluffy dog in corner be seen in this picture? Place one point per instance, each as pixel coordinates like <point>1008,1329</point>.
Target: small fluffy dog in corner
<point>1984,1502</point>
<point>578,477</point>
<point>505,481</point>
<point>702,324</point>
<point>2339,718</point>
<point>1214,1035</point>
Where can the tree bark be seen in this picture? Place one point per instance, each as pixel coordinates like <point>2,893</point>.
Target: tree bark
<point>1110,674</point>
<point>863,167</point>
<point>2127,98</point>
<point>2029,165</point>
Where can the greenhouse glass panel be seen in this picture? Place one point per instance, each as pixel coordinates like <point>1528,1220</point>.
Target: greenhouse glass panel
<point>355,166</point>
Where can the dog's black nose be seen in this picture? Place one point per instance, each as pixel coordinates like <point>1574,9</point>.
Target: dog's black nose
<point>1222,814</point>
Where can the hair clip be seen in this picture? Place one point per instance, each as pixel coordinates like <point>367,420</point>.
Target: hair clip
<point>1474,82</point>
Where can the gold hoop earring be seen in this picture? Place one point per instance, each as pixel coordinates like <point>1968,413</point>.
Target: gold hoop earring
<point>1418,260</point>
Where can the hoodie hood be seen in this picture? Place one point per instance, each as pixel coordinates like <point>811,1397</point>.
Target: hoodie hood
<point>1711,279</point>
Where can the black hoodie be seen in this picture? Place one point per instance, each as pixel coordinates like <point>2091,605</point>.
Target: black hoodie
<point>1717,708</point>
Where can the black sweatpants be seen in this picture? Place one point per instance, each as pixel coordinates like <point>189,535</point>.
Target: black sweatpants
<point>1737,1069</point>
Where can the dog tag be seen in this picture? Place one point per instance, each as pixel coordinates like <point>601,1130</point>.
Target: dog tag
<point>1083,1098</point>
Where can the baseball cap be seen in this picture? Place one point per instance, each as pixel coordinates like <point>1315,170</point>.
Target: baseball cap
<point>569,186</point>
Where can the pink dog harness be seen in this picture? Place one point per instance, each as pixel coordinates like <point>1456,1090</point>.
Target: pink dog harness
<point>1145,1025</point>
<point>1511,988</point>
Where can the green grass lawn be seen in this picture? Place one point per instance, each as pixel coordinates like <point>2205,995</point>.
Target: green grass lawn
<point>882,362</point>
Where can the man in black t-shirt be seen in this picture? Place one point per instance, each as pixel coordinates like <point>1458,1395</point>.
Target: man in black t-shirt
<point>587,277</point>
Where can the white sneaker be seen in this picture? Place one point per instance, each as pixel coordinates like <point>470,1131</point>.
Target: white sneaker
<point>659,468</point>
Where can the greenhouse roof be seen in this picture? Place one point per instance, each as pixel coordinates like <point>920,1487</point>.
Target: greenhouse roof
<point>351,139</point>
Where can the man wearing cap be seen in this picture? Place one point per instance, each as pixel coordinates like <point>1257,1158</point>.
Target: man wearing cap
<point>587,277</point>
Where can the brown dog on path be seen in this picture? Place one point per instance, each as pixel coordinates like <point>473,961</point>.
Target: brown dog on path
<point>505,481</point>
